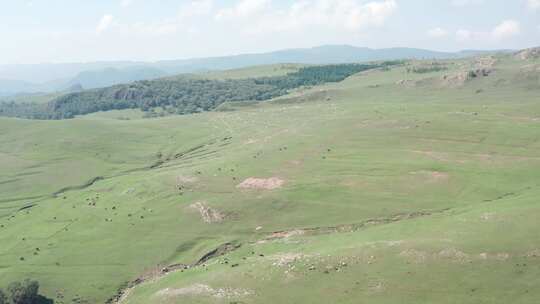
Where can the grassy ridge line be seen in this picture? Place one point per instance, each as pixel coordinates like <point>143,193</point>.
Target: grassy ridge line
<point>441,259</point>
<point>228,248</point>
<point>183,95</point>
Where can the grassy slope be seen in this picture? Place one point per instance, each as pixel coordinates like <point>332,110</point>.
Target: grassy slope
<point>37,98</point>
<point>254,72</point>
<point>362,149</point>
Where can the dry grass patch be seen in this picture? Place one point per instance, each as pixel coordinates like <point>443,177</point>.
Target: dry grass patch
<point>261,183</point>
<point>432,176</point>
<point>286,259</point>
<point>204,290</point>
<point>209,215</point>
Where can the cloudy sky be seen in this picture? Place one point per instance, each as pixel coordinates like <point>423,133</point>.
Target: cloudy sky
<point>34,31</point>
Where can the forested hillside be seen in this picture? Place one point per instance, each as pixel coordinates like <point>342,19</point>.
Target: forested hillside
<point>182,95</point>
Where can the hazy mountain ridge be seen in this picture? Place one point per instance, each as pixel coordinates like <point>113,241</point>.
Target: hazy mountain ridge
<point>33,78</point>
<point>112,76</point>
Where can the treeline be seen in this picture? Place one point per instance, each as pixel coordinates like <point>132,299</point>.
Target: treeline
<point>24,110</point>
<point>427,68</point>
<point>26,292</point>
<point>182,95</point>
<point>315,75</point>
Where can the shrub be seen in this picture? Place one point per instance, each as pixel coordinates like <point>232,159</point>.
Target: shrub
<point>3,298</point>
<point>427,68</point>
<point>25,292</point>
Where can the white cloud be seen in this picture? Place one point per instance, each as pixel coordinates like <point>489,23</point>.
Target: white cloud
<point>196,8</point>
<point>348,15</point>
<point>506,29</point>
<point>534,4</point>
<point>343,15</point>
<point>165,28</point>
<point>126,3</point>
<point>104,23</point>
<point>462,3</point>
<point>244,8</point>
<point>463,35</point>
<point>437,33</point>
<point>169,26</point>
<point>263,17</point>
<point>250,7</point>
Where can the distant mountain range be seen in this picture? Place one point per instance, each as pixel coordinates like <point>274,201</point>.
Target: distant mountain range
<point>33,78</point>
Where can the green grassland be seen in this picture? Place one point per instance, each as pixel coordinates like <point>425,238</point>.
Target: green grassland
<point>397,187</point>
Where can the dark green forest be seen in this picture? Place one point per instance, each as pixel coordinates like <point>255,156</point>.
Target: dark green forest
<point>182,95</point>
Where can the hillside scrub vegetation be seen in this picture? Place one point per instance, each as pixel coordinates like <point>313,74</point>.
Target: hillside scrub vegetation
<point>427,68</point>
<point>183,95</point>
<point>25,292</point>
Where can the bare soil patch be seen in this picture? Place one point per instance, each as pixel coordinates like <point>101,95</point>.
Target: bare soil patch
<point>209,215</point>
<point>488,216</point>
<point>530,68</point>
<point>186,179</point>
<point>454,255</point>
<point>250,141</point>
<point>406,82</point>
<point>261,183</point>
<point>283,235</point>
<point>295,162</point>
<point>432,176</point>
<point>459,79</point>
<point>205,290</point>
<point>414,256</point>
<point>486,62</point>
<point>532,53</point>
<point>376,287</point>
<point>285,259</point>
<point>443,157</point>
<point>533,254</point>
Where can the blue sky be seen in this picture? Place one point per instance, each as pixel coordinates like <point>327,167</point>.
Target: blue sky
<point>34,31</point>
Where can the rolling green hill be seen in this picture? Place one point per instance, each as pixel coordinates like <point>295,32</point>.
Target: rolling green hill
<point>408,184</point>
<point>183,94</point>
